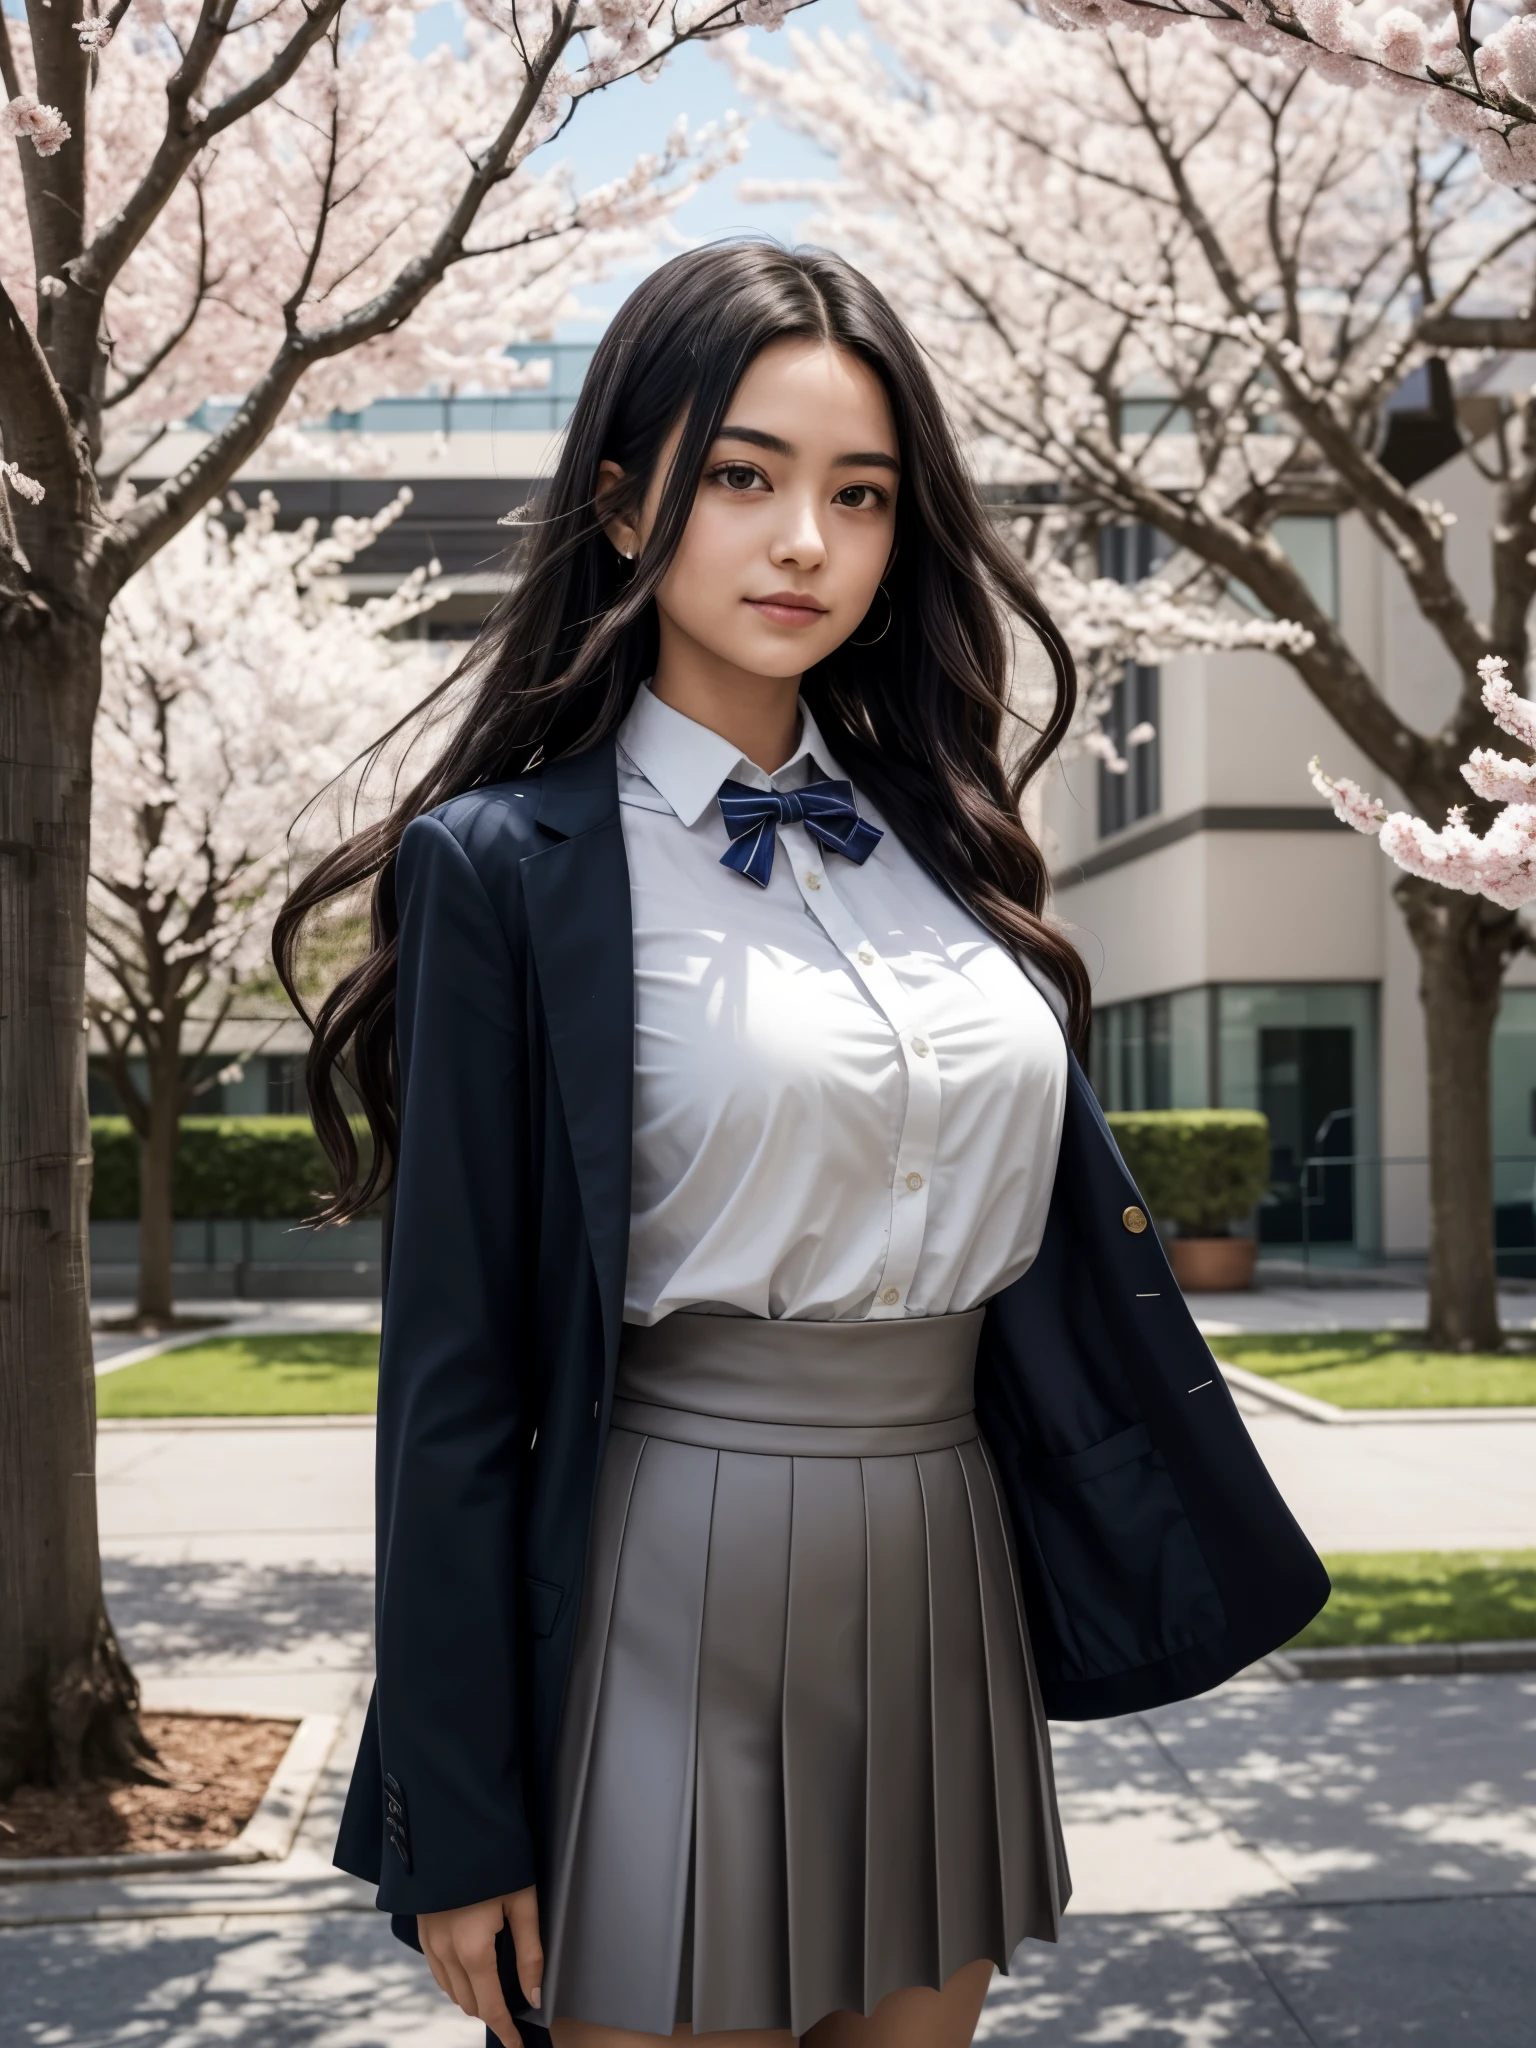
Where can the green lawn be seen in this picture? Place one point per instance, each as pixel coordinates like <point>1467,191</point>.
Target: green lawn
<point>1396,1597</point>
<point>1383,1369</point>
<point>1432,1596</point>
<point>333,1373</point>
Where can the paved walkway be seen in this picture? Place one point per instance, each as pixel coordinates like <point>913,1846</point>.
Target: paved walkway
<point>1287,1307</point>
<point>1312,1866</point>
<point>1331,1306</point>
<point>116,1348</point>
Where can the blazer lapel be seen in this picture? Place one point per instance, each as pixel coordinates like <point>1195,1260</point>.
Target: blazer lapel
<point>582,932</point>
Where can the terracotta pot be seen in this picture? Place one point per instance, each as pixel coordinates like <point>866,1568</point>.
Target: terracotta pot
<point>1213,1265</point>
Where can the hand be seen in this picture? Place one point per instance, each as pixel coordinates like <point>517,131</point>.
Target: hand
<point>460,1947</point>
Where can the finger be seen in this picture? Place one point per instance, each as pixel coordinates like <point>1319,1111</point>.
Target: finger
<point>459,1987</point>
<point>439,1974</point>
<point>523,1919</point>
<point>490,2005</point>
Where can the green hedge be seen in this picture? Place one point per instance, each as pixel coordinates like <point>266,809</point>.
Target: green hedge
<point>267,1167</point>
<point>1199,1168</point>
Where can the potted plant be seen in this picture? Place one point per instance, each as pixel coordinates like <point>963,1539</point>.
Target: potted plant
<point>1202,1170</point>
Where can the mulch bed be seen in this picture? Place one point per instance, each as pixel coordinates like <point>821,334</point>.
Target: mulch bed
<point>219,1766</point>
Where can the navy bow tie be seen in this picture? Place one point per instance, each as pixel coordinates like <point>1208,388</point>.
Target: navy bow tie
<point>826,810</point>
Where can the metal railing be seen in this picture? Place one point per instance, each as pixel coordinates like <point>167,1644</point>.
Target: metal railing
<point>246,1255</point>
<point>1389,1200</point>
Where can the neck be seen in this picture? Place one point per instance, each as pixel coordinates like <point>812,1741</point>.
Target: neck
<point>759,715</point>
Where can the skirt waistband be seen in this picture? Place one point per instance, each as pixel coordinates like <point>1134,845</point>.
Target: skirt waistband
<point>801,1389</point>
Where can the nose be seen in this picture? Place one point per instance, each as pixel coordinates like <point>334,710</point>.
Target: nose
<point>799,542</point>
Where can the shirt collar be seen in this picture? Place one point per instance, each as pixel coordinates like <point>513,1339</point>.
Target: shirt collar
<point>686,762</point>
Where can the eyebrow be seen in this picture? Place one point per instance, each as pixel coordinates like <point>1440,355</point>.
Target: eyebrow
<point>756,438</point>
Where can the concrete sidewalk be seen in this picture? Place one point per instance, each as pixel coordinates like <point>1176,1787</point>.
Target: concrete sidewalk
<point>1282,1306</point>
<point>114,1349</point>
<point>1343,1865</point>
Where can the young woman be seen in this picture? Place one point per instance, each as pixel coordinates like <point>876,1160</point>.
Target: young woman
<point>783,1402</point>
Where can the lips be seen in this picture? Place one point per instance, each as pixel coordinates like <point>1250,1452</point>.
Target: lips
<point>789,608</point>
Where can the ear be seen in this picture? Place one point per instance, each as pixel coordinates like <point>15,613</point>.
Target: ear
<point>622,532</point>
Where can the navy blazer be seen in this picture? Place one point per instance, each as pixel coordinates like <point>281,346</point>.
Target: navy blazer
<point>1157,1556</point>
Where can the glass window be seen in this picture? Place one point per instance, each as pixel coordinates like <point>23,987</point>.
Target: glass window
<point>1305,1053</point>
<point>1134,790</point>
<point>101,1096</point>
<point>1152,1053</point>
<point>285,1084</point>
<point>1513,1116</point>
<point>1311,539</point>
<point>1154,416</point>
<point>1128,554</point>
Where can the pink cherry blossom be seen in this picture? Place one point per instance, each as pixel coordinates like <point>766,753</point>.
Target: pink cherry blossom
<point>44,127</point>
<point>1402,40</point>
<point>23,485</point>
<point>1500,863</point>
<point>238,683</point>
<point>1358,44</point>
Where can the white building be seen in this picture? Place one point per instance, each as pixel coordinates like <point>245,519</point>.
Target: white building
<point>1244,947</point>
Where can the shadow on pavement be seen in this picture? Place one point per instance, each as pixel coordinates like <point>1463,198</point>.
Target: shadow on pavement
<point>288,1982</point>
<point>215,1612</point>
<point>1432,1974</point>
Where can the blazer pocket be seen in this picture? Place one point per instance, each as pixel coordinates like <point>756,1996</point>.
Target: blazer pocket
<point>544,1604</point>
<point>1124,1576</point>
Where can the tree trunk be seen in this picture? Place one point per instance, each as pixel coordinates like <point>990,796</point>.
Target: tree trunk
<point>68,1702</point>
<point>157,1172</point>
<point>1464,945</point>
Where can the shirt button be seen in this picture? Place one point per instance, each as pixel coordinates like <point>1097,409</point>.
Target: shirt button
<point>813,880</point>
<point>920,1047</point>
<point>891,1296</point>
<point>867,955</point>
<point>914,1181</point>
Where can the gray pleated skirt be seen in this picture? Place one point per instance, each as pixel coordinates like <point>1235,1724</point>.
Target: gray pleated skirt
<point>803,1761</point>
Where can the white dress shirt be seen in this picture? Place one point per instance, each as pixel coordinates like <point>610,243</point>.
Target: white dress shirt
<point>848,1097</point>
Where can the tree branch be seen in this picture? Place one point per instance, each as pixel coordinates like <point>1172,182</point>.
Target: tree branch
<point>35,424</point>
<point>10,77</point>
<point>1511,331</point>
<point>137,379</point>
<point>55,185</point>
<point>166,509</point>
<point>1420,550</point>
<point>93,271</point>
<point>1329,668</point>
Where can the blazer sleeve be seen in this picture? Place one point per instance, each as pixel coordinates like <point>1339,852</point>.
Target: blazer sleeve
<point>450,1729</point>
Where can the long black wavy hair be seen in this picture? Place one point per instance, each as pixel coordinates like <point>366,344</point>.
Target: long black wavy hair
<point>918,718</point>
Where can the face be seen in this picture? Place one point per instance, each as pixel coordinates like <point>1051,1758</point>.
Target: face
<point>793,522</point>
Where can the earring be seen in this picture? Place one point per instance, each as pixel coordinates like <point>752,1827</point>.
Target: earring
<point>890,613</point>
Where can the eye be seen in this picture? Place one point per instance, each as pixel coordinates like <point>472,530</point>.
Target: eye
<point>738,476</point>
<point>860,497</point>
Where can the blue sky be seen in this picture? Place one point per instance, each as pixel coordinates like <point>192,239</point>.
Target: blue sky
<point>611,130</point>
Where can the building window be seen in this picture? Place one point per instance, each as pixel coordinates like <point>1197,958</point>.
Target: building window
<point>1132,791</point>
<point>1306,1055</point>
<point>1513,1108</point>
<point>1129,793</point>
<point>1311,540</point>
<point>1303,1053</point>
<point>285,1084</point>
<point>1152,1053</point>
<point>101,1096</point>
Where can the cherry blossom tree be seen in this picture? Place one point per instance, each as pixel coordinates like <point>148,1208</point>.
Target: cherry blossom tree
<point>237,684</point>
<point>1499,863</point>
<point>275,200</point>
<point>1475,81</point>
<point>1177,282</point>
<point>1110,625</point>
